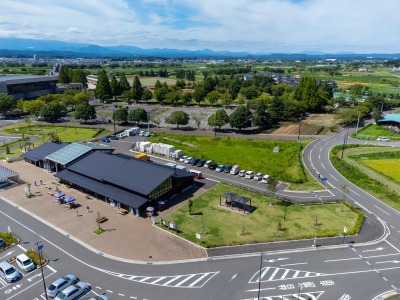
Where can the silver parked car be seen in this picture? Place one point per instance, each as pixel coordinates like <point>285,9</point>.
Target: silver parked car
<point>100,297</point>
<point>73,291</point>
<point>61,284</point>
<point>8,272</point>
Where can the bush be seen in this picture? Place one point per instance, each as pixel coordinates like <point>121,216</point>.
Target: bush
<point>32,254</point>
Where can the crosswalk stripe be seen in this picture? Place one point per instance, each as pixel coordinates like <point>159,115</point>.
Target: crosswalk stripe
<point>284,274</point>
<point>157,280</point>
<point>144,279</point>
<point>263,273</point>
<point>196,281</point>
<point>186,279</point>
<point>173,279</point>
<point>307,274</point>
<point>296,274</point>
<point>273,274</point>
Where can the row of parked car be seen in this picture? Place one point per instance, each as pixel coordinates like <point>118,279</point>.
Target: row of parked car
<point>10,274</point>
<point>234,170</point>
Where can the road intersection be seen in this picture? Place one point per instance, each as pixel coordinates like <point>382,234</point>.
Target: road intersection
<point>343,271</point>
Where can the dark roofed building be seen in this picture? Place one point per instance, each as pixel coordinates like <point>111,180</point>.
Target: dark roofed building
<point>27,87</point>
<point>37,156</point>
<point>124,181</point>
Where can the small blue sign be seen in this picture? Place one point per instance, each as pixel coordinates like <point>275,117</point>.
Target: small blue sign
<point>41,247</point>
<point>324,179</point>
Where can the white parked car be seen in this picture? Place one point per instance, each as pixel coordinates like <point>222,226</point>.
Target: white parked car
<point>249,175</point>
<point>234,170</point>
<point>25,263</point>
<point>182,159</point>
<point>187,159</point>
<point>265,179</point>
<point>258,176</point>
<point>207,163</point>
<point>242,173</point>
<point>383,139</point>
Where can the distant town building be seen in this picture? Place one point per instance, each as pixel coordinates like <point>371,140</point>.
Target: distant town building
<point>28,87</point>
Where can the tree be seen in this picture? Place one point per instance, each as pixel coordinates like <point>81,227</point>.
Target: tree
<point>121,115</point>
<point>6,103</point>
<point>147,94</point>
<point>226,98</point>
<point>190,205</point>
<point>138,115</point>
<point>240,118</point>
<point>260,116</point>
<point>199,94</point>
<point>198,117</point>
<point>115,87</point>
<point>28,121</point>
<point>218,119</point>
<point>160,91</point>
<point>34,106</point>
<point>52,111</point>
<point>177,117</point>
<point>213,97</point>
<point>377,115</point>
<point>123,83</point>
<point>187,97</point>
<point>250,92</point>
<point>85,111</point>
<point>307,91</point>
<point>174,96</point>
<point>103,115</point>
<point>272,186</point>
<point>63,76</point>
<point>275,110</point>
<point>137,89</point>
<point>103,89</point>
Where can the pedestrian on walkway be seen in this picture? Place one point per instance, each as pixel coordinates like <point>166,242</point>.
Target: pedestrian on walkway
<point>41,182</point>
<point>87,208</point>
<point>34,182</point>
<point>76,212</point>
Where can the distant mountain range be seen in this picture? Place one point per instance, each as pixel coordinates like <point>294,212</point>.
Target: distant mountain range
<point>54,48</point>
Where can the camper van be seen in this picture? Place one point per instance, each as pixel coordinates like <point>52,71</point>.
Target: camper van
<point>196,174</point>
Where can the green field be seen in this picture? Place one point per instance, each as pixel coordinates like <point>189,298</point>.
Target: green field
<point>386,167</point>
<point>374,131</point>
<point>251,154</point>
<point>146,81</point>
<point>66,134</point>
<point>221,226</point>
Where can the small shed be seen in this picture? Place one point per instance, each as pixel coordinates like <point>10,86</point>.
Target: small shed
<point>232,199</point>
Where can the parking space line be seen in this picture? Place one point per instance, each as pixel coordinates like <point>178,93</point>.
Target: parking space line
<point>18,245</point>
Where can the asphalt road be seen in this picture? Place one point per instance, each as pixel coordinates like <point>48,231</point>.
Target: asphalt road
<point>346,271</point>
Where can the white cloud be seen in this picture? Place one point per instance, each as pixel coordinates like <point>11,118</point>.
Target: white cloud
<point>74,30</point>
<point>236,25</point>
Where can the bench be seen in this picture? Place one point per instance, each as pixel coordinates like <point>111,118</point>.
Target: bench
<point>122,211</point>
<point>102,219</point>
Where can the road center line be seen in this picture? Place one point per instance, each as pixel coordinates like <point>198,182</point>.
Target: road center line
<point>303,263</point>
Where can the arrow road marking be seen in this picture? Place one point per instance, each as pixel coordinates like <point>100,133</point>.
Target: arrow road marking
<point>377,249</point>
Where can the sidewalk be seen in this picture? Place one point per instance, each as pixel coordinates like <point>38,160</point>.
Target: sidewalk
<point>127,236</point>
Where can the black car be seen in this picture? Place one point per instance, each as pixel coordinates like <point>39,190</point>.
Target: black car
<point>2,243</point>
<point>200,163</point>
<point>227,169</point>
<point>194,161</point>
<point>212,166</point>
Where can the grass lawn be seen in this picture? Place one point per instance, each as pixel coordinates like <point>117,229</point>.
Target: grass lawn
<point>66,134</point>
<point>385,167</point>
<point>374,131</point>
<point>251,154</point>
<point>220,226</point>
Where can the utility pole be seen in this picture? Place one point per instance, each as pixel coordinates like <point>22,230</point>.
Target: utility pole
<point>358,121</point>
<point>39,248</point>
<point>344,142</point>
<point>298,135</point>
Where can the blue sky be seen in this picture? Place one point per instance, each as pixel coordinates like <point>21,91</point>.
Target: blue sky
<point>257,26</point>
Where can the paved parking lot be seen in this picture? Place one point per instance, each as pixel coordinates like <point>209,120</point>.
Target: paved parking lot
<point>134,236</point>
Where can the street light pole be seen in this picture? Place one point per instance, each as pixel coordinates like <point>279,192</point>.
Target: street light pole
<point>40,247</point>
<point>298,135</point>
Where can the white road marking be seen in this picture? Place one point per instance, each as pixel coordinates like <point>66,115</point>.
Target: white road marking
<point>109,291</point>
<point>388,261</point>
<point>233,277</point>
<point>354,192</point>
<point>285,273</point>
<point>121,295</point>
<point>132,297</point>
<point>266,289</point>
<point>322,165</point>
<point>303,263</point>
<point>377,249</point>
<point>171,280</point>
<point>196,281</point>
<point>273,274</point>
<point>99,288</point>
<point>333,177</point>
<point>19,246</point>
<point>184,280</point>
<point>381,210</point>
<point>9,253</point>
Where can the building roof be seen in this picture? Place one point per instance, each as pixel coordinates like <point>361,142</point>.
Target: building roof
<point>103,189</point>
<point>18,79</point>
<point>235,198</point>
<point>74,151</point>
<point>391,118</point>
<point>96,165</point>
<point>140,176</point>
<point>40,152</point>
<point>6,173</point>
<point>132,174</point>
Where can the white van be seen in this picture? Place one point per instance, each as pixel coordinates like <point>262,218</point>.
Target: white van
<point>249,175</point>
<point>25,263</point>
<point>196,174</point>
<point>235,170</point>
<point>265,179</point>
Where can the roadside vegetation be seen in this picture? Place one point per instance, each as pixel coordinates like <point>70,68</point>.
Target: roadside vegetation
<point>371,182</point>
<point>373,131</point>
<point>220,226</point>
